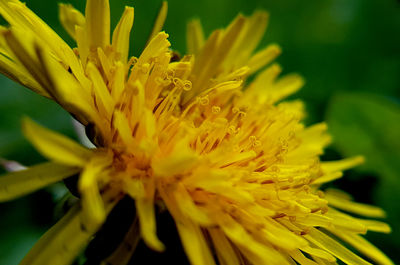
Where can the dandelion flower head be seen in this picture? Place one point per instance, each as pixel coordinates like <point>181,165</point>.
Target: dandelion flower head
<point>232,163</point>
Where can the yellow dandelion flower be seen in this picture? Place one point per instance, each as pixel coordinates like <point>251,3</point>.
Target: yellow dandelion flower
<point>234,166</point>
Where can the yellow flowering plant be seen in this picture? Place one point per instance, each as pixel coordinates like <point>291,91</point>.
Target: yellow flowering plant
<point>231,162</point>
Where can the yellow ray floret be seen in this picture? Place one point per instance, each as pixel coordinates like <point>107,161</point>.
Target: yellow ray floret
<point>159,22</point>
<point>121,34</point>
<point>55,146</point>
<point>70,18</point>
<point>97,14</point>
<point>195,36</point>
<point>19,183</point>
<point>145,208</point>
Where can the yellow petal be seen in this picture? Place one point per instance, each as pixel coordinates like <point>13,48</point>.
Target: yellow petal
<point>363,246</point>
<point>189,208</point>
<point>98,23</point>
<point>121,34</point>
<point>354,207</point>
<point>235,158</point>
<point>190,233</point>
<point>341,165</point>
<point>122,125</point>
<point>280,236</point>
<point>195,36</point>
<point>265,78</point>
<point>106,64</point>
<point>256,27</point>
<point>64,88</point>
<point>223,87</point>
<point>21,17</point>
<point>252,249</point>
<point>149,124</point>
<point>322,261</point>
<point>376,226</point>
<point>118,82</point>
<point>19,183</point>
<point>70,17</point>
<point>226,189</point>
<point>209,178</point>
<point>158,46</point>
<point>345,221</point>
<point>328,178</point>
<point>330,245</point>
<point>83,44</point>
<point>201,63</point>
<point>92,204</point>
<point>248,40</point>
<point>315,220</point>
<point>300,258</point>
<point>133,187</point>
<point>314,138</point>
<point>180,160</point>
<point>318,253</point>
<point>286,86</point>
<point>55,146</point>
<point>263,57</point>
<point>146,131</point>
<point>159,23</point>
<point>226,254</point>
<point>136,90</point>
<point>194,243</point>
<point>207,67</point>
<point>20,75</point>
<point>105,101</point>
<point>147,221</point>
<point>23,45</point>
<point>13,69</point>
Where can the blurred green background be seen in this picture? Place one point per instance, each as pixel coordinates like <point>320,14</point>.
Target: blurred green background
<point>347,50</point>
